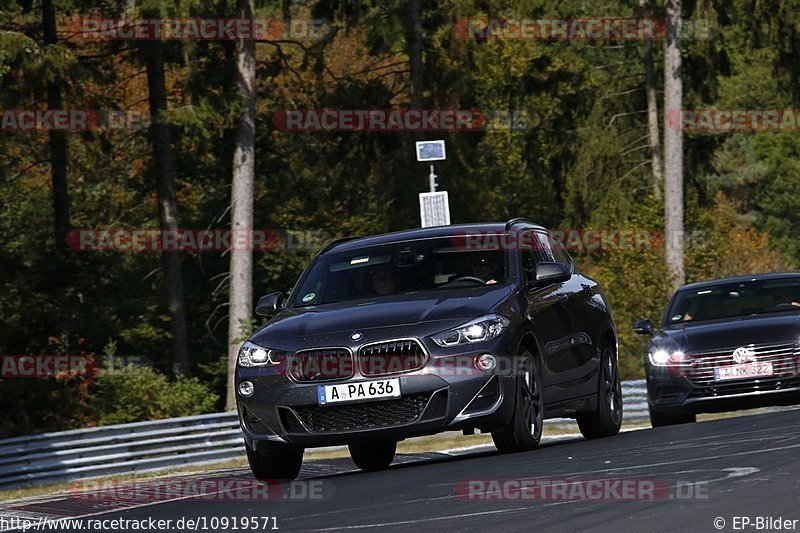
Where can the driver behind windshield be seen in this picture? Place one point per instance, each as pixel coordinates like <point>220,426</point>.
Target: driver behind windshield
<point>786,299</point>
<point>484,266</point>
<point>383,280</point>
<point>704,309</point>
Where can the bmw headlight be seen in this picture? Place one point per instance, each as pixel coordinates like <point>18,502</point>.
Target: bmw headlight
<point>254,355</point>
<point>482,329</point>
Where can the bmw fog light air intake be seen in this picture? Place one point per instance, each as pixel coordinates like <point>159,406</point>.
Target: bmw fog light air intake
<point>486,362</point>
<point>482,329</point>
<point>246,389</point>
<point>254,355</point>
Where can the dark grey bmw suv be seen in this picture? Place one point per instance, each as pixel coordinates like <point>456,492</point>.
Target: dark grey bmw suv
<point>484,327</point>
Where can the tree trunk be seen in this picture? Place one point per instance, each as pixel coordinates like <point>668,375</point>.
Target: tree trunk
<point>416,79</point>
<point>673,148</point>
<point>415,54</point>
<point>652,110</point>
<point>167,203</point>
<point>241,266</point>
<point>58,140</point>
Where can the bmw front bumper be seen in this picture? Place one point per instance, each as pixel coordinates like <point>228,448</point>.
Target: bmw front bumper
<point>448,393</point>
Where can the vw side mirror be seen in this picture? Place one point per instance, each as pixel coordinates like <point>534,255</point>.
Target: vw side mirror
<point>643,327</point>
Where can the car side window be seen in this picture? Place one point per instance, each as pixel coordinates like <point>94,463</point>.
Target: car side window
<point>559,252</point>
<point>544,252</point>
<point>528,265</point>
<point>534,249</point>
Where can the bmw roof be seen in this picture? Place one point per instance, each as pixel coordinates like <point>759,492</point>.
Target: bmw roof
<point>355,243</point>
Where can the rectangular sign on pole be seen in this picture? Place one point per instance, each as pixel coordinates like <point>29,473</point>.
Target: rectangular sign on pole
<point>434,209</point>
<point>430,151</point>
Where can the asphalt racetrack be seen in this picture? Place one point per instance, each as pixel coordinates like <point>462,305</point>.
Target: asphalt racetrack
<point>708,476</point>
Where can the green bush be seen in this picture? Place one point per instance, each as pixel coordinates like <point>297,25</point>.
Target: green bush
<point>136,394</point>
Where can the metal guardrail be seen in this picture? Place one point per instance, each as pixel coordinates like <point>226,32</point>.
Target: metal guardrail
<point>163,444</point>
<point>123,448</point>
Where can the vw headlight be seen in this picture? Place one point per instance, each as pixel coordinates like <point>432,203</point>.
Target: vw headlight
<point>662,357</point>
<point>482,329</point>
<point>254,355</point>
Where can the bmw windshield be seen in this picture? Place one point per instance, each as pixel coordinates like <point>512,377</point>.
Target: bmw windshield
<point>400,268</point>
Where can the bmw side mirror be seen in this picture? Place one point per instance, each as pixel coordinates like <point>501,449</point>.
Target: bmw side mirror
<point>643,327</point>
<point>270,304</point>
<point>550,272</point>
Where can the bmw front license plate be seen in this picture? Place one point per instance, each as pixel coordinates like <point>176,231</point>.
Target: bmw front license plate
<point>361,390</point>
<point>743,371</point>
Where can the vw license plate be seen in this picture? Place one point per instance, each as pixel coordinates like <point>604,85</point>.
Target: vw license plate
<point>361,390</point>
<point>743,371</point>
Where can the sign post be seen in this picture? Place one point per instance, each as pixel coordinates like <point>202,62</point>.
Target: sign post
<point>434,209</point>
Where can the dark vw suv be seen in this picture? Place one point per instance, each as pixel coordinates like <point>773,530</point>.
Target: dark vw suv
<point>483,327</point>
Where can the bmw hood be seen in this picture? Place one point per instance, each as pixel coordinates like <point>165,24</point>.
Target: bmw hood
<point>430,312</point>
